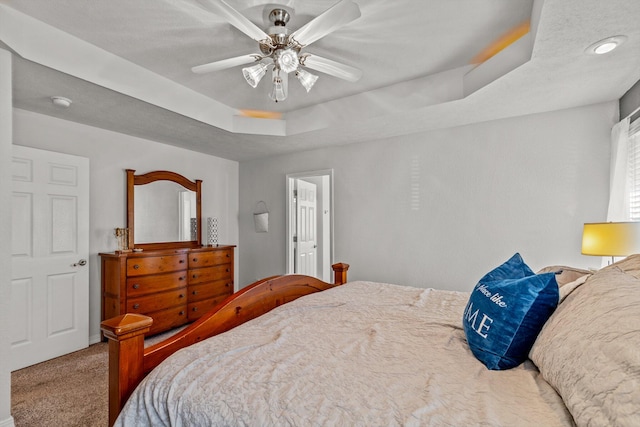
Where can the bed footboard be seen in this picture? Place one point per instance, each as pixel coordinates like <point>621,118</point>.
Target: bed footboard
<point>129,361</point>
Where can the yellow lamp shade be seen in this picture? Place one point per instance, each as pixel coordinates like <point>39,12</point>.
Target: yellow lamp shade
<point>611,238</point>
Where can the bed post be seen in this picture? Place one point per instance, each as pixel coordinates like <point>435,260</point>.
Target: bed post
<point>340,273</point>
<point>126,349</point>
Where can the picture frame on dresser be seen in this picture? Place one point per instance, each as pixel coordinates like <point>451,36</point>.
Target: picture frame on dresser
<point>173,282</point>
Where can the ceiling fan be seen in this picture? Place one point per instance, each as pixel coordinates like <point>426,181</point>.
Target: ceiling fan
<point>281,48</point>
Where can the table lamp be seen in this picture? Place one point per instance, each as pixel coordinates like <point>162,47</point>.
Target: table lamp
<point>611,239</point>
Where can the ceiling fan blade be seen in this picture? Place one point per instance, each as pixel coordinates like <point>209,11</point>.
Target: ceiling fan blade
<point>337,16</point>
<point>333,68</point>
<point>226,63</point>
<point>235,18</point>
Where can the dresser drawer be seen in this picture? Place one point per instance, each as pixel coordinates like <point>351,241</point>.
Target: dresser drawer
<point>156,264</point>
<point>197,309</point>
<point>206,259</point>
<point>168,319</point>
<point>149,303</point>
<point>210,274</point>
<point>141,285</point>
<point>210,290</point>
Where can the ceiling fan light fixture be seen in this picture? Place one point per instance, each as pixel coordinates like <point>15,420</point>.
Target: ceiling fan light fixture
<point>279,90</point>
<point>307,80</point>
<point>287,60</point>
<point>254,74</point>
<point>283,47</point>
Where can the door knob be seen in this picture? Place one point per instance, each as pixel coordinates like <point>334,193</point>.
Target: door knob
<point>80,263</point>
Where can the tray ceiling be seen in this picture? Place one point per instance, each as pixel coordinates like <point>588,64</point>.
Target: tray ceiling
<point>127,67</point>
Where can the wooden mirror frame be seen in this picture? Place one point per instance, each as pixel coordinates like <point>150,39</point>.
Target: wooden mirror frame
<point>147,178</point>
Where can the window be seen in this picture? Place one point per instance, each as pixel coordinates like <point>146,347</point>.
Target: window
<point>634,171</point>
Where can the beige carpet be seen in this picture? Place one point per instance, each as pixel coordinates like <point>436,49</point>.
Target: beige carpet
<point>70,390</point>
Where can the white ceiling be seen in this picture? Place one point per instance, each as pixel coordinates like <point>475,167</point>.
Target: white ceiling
<point>127,67</point>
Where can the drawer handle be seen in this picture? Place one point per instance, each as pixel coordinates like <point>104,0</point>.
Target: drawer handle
<point>228,256</point>
<point>181,278</point>
<point>181,261</point>
<point>195,260</point>
<point>227,270</point>
<point>195,308</point>
<point>136,306</point>
<point>136,286</point>
<point>181,313</point>
<point>227,285</point>
<point>195,276</point>
<point>136,266</point>
<point>195,292</point>
<point>181,296</point>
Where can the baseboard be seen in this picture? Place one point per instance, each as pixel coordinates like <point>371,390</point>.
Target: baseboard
<point>7,422</point>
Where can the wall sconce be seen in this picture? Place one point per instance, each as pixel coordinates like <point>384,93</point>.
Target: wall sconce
<point>261,218</point>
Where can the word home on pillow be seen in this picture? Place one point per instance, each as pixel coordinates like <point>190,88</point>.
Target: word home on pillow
<point>506,311</point>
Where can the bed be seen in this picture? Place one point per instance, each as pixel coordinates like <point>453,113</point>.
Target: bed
<point>365,353</point>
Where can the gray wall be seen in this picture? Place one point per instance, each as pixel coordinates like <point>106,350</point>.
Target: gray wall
<point>110,153</point>
<point>438,209</point>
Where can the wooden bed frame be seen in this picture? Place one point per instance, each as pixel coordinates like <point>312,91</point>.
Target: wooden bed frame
<point>130,361</point>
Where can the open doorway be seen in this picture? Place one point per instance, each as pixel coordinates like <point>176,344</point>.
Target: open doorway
<point>310,223</point>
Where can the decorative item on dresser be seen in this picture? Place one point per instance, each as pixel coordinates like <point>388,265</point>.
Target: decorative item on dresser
<point>167,274</point>
<point>212,231</point>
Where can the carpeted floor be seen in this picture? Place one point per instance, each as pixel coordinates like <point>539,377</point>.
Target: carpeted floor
<point>70,390</point>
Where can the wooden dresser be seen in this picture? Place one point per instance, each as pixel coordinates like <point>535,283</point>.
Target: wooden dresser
<point>173,286</point>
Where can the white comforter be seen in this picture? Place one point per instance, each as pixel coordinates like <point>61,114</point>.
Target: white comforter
<point>362,354</point>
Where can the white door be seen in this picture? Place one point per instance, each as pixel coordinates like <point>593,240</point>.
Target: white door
<point>50,248</point>
<point>306,229</point>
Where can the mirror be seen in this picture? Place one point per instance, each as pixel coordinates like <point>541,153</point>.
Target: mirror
<point>163,210</point>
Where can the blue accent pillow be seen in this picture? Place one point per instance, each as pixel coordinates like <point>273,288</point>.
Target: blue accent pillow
<point>506,312</point>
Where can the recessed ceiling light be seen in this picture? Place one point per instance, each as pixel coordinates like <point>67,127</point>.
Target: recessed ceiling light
<point>605,45</point>
<point>61,101</point>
